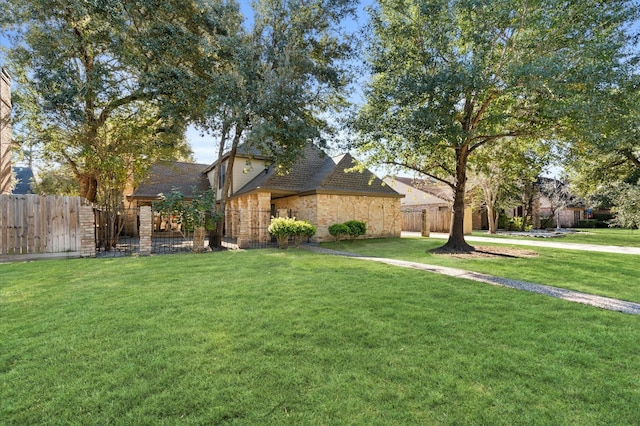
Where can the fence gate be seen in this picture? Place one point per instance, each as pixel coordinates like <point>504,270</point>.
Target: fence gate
<point>117,232</point>
<point>439,219</point>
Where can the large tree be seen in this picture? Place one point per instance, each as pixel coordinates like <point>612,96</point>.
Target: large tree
<point>94,89</point>
<point>451,76</point>
<point>606,146</point>
<point>282,75</point>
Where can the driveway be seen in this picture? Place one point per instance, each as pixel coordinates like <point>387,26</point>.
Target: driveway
<point>537,243</point>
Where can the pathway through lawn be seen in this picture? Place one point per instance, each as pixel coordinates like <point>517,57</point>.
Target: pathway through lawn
<point>560,293</point>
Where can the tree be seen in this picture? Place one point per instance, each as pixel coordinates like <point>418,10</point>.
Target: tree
<point>450,77</point>
<point>559,195</point>
<point>626,199</point>
<point>499,172</point>
<point>606,147</point>
<point>90,77</point>
<point>279,80</point>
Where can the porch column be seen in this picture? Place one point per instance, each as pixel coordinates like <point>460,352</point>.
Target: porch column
<point>264,213</point>
<point>244,223</point>
<point>146,230</point>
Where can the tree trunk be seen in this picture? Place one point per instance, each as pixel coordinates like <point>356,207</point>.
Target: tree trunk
<point>215,235</point>
<point>456,242</point>
<point>492,219</point>
<point>88,187</point>
<point>222,205</point>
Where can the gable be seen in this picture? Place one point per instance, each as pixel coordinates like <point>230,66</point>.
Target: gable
<point>315,172</point>
<point>421,191</point>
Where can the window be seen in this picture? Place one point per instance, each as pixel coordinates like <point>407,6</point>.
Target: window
<point>222,175</point>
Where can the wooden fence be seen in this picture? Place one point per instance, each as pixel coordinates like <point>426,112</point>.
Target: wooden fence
<point>32,224</point>
<point>439,219</point>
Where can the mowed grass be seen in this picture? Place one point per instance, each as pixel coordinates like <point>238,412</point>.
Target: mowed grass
<point>292,337</point>
<point>607,237</point>
<point>604,274</point>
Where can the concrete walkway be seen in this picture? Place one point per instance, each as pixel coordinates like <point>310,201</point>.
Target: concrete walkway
<point>538,243</point>
<point>560,293</point>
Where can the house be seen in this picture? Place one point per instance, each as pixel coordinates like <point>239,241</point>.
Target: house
<point>430,195</point>
<point>24,178</point>
<point>317,188</point>
<point>163,178</point>
<point>557,206</point>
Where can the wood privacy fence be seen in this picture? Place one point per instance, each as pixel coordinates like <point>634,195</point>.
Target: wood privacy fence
<point>439,219</point>
<point>33,224</point>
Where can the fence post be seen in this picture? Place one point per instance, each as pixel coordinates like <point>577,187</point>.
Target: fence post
<point>87,231</point>
<point>146,230</point>
<point>426,226</point>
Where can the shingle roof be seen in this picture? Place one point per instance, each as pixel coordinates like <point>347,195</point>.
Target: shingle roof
<point>24,175</point>
<point>316,172</point>
<point>165,176</point>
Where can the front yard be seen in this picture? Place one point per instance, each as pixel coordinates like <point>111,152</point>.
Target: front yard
<point>608,236</point>
<point>610,275</point>
<point>291,337</point>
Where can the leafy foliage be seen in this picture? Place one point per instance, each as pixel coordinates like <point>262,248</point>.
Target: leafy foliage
<point>450,77</point>
<point>283,226</point>
<point>338,230</point>
<point>356,228</point>
<point>91,89</point>
<point>190,213</point>
<point>627,206</point>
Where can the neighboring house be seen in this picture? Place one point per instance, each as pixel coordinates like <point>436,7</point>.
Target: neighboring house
<point>430,195</point>
<point>24,177</point>
<point>554,193</point>
<point>317,188</point>
<point>163,178</point>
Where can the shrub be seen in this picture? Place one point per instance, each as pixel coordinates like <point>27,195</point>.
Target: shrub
<point>337,230</point>
<point>356,228</point>
<point>304,228</point>
<point>589,223</point>
<point>282,226</point>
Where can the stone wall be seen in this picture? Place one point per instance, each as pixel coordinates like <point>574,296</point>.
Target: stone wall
<point>5,133</point>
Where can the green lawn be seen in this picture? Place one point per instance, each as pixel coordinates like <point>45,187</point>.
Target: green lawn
<point>604,274</point>
<point>291,337</point>
<point>609,236</point>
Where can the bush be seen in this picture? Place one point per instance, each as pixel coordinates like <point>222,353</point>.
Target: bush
<point>337,230</point>
<point>304,229</point>
<point>589,223</point>
<point>356,228</point>
<point>282,226</point>
<point>592,223</point>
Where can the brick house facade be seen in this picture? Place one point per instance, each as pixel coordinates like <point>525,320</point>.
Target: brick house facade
<point>318,188</point>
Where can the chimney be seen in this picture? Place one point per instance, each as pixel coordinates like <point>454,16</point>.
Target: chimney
<point>5,132</point>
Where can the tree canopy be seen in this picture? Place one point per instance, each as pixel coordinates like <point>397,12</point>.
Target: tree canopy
<point>449,77</point>
<point>92,86</point>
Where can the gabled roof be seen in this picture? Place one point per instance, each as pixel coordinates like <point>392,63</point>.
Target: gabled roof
<point>24,176</point>
<point>315,172</point>
<point>430,186</point>
<point>165,176</point>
